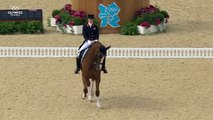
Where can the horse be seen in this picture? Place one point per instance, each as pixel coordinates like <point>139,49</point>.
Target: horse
<point>91,71</point>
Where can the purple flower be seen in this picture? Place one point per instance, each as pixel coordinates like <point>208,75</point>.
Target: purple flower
<point>68,7</point>
<point>157,21</point>
<point>145,24</point>
<point>147,10</point>
<point>58,18</point>
<point>71,23</point>
<point>64,25</point>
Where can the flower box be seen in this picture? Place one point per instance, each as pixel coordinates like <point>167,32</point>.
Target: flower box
<point>53,22</point>
<point>160,27</point>
<point>58,29</point>
<point>74,29</point>
<point>143,30</point>
<point>152,29</point>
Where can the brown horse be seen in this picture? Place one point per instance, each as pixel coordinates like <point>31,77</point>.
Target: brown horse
<point>91,70</point>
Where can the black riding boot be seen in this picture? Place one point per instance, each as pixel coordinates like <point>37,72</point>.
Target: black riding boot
<point>104,67</point>
<point>78,64</point>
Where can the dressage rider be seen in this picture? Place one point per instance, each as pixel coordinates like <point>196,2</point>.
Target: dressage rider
<point>91,35</point>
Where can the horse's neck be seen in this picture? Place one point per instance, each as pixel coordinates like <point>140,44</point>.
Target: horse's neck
<point>90,56</point>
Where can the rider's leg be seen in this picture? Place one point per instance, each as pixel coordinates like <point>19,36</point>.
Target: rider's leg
<point>78,65</point>
<point>85,45</point>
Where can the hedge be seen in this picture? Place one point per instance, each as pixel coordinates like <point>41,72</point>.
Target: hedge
<point>25,27</point>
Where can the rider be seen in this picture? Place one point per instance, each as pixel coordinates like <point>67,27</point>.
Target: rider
<point>91,35</point>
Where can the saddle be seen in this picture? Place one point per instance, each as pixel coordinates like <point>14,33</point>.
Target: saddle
<point>84,52</point>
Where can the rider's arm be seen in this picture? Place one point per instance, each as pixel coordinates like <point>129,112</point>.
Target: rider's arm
<point>97,33</point>
<point>84,32</point>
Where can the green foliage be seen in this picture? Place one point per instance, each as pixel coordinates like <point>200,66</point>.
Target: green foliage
<point>65,17</point>
<point>129,28</point>
<point>139,20</point>
<point>7,28</point>
<point>78,21</point>
<point>29,27</point>
<point>150,18</point>
<point>166,15</point>
<point>55,12</point>
<point>49,22</point>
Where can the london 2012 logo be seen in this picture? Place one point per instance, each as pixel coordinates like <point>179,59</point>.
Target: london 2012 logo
<point>109,15</point>
<point>15,11</point>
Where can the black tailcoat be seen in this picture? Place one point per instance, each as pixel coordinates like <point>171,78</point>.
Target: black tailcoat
<point>90,33</point>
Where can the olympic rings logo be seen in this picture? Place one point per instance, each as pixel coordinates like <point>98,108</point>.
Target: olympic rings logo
<point>111,9</point>
<point>14,8</point>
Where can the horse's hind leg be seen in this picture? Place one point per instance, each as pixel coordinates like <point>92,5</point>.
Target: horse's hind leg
<point>97,93</point>
<point>92,87</point>
<point>85,93</point>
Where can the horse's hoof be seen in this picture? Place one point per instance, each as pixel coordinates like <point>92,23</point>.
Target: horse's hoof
<point>98,105</point>
<point>84,96</point>
<point>90,98</point>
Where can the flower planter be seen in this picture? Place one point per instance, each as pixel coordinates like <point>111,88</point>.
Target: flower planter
<point>53,22</point>
<point>143,30</point>
<point>58,29</point>
<point>73,30</point>
<point>152,29</point>
<point>160,27</point>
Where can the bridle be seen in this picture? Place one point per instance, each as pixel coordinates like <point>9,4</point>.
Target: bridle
<point>98,63</point>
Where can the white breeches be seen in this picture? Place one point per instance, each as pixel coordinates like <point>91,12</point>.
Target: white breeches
<point>85,45</point>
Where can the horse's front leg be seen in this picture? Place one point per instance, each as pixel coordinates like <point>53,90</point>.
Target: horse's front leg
<point>90,90</point>
<point>97,93</point>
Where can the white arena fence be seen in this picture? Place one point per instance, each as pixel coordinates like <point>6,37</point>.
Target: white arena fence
<point>66,52</point>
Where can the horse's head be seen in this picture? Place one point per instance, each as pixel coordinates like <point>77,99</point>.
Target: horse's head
<point>103,50</point>
<point>101,56</point>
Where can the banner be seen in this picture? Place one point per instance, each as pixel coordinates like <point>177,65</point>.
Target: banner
<point>109,15</point>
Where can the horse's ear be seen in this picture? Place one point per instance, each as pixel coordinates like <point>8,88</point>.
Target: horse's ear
<point>108,47</point>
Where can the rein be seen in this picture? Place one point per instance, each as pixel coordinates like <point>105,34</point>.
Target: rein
<point>96,62</point>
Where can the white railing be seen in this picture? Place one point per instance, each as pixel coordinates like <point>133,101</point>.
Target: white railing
<point>55,52</point>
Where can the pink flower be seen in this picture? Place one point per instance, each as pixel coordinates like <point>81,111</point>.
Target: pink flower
<point>68,7</point>
<point>157,21</point>
<point>145,24</point>
<point>64,25</point>
<point>71,23</point>
<point>58,18</point>
<point>72,12</point>
<point>80,14</point>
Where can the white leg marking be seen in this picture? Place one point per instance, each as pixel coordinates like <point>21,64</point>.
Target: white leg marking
<point>98,103</point>
<point>83,96</point>
<point>90,91</point>
<point>92,88</point>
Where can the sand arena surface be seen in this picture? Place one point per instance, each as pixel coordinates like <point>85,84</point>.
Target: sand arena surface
<point>134,89</point>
